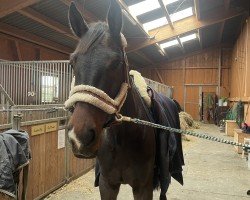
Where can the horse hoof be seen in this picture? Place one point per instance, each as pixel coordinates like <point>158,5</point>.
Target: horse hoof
<point>163,197</point>
<point>248,192</point>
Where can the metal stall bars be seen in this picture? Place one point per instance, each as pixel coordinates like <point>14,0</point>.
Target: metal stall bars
<point>31,84</point>
<point>161,88</point>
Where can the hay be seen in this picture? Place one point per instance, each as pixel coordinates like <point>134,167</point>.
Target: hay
<point>187,122</point>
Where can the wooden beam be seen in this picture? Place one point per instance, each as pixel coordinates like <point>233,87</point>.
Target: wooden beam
<point>161,64</point>
<point>9,6</point>
<point>14,52</point>
<point>200,38</point>
<point>159,75</point>
<point>126,9</point>
<point>88,16</point>
<point>13,31</point>
<point>163,7</point>
<point>221,31</point>
<point>19,54</point>
<point>197,9</point>
<point>183,26</point>
<point>226,6</point>
<point>46,21</point>
<point>180,44</point>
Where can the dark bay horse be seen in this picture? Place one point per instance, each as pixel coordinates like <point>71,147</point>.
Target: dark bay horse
<point>125,152</point>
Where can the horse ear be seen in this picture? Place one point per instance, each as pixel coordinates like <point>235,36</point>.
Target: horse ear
<point>115,20</point>
<point>77,23</point>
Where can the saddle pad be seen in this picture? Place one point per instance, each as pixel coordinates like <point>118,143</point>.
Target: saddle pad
<point>141,86</point>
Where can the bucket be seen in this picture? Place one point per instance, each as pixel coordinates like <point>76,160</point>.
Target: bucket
<point>220,102</point>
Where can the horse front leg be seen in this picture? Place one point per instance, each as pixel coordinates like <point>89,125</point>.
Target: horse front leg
<point>108,191</point>
<point>143,193</point>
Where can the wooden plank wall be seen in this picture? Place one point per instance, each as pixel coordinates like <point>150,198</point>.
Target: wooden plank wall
<point>15,49</point>
<point>240,76</point>
<point>200,69</point>
<point>48,164</point>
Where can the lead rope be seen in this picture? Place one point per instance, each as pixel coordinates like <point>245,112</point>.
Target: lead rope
<point>121,118</point>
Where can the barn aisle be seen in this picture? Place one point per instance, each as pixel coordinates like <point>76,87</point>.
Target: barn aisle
<point>212,171</point>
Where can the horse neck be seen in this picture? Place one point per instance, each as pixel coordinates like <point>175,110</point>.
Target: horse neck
<point>133,105</point>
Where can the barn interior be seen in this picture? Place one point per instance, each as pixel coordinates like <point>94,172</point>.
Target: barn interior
<point>195,51</point>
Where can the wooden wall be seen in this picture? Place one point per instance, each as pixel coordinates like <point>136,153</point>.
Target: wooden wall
<point>48,169</point>
<point>240,76</point>
<point>204,71</point>
<point>15,49</point>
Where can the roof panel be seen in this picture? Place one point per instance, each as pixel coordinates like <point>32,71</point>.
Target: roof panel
<point>24,23</point>
<point>210,35</point>
<point>152,53</point>
<point>55,10</point>
<point>232,29</point>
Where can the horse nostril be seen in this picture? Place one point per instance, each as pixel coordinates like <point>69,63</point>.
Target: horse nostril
<point>89,137</point>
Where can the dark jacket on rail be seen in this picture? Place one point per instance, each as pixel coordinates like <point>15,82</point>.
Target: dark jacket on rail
<point>14,155</point>
<point>169,155</point>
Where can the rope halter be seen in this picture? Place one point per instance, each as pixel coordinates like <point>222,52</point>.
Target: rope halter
<point>96,97</point>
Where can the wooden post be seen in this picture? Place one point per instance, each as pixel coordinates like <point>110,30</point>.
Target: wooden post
<point>219,71</point>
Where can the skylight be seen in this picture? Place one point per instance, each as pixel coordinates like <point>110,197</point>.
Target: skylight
<point>182,14</point>
<point>155,23</point>
<point>188,37</point>
<point>163,21</point>
<point>175,41</point>
<point>169,44</point>
<point>146,6</point>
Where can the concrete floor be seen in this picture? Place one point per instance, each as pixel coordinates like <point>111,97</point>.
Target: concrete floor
<point>213,171</point>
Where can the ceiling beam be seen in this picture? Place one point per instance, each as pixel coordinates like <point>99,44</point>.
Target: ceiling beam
<point>197,9</point>
<point>221,31</point>
<point>198,16</point>
<point>163,7</point>
<point>46,21</point>
<point>88,16</point>
<point>9,6</point>
<point>226,6</point>
<point>180,44</point>
<point>126,9</point>
<point>200,38</point>
<point>13,31</point>
<point>165,32</point>
<point>170,23</point>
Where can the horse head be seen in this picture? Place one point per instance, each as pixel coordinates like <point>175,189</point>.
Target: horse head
<point>99,65</point>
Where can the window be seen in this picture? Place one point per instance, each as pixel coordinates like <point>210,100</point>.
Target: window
<point>50,91</point>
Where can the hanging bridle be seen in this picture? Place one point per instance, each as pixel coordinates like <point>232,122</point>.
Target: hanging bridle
<point>98,98</point>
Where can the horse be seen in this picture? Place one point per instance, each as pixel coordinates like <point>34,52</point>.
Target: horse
<point>125,152</point>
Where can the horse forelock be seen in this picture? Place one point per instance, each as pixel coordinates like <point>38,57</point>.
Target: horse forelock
<point>98,34</point>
